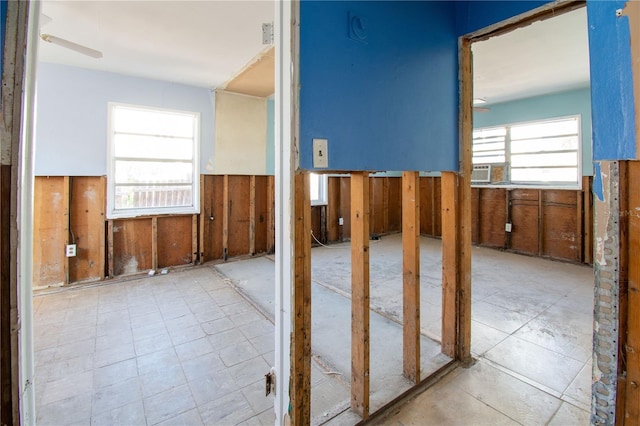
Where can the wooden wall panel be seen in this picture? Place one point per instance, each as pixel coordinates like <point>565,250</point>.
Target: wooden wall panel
<point>524,235</point>
<point>333,209</point>
<point>475,215</point>
<point>561,238</point>
<point>426,206</point>
<point>345,208</point>
<point>395,205</point>
<point>174,241</point>
<point>492,217</point>
<point>132,246</point>
<point>437,202</point>
<point>87,217</point>
<point>379,196</point>
<point>50,230</point>
<point>317,213</point>
<point>239,204</point>
<point>211,207</point>
<point>262,213</point>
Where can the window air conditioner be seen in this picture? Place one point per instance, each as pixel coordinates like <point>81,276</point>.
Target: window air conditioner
<point>481,174</point>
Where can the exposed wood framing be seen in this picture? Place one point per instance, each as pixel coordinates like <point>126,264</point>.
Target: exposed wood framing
<point>450,268</point>
<point>360,293</point>
<point>202,218</point>
<point>225,217</point>
<point>194,240</point>
<point>587,239</point>
<point>110,259</point>
<point>66,220</point>
<point>252,215</point>
<point>463,246</point>
<point>154,243</point>
<point>540,224</point>
<point>631,349</point>
<point>411,275</point>
<point>300,392</point>
<point>271,227</point>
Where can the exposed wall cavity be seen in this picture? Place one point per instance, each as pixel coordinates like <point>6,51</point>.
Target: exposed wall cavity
<point>606,309</point>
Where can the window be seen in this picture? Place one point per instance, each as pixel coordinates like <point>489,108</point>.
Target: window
<point>153,161</point>
<point>318,189</point>
<point>541,153</point>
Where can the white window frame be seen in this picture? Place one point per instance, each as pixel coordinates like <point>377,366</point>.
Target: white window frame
<point>534,185</point>
<point>323,196</point>
<point>112,212</point>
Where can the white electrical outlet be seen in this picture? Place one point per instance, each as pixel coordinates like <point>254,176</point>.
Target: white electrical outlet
<point>70,250</point>
<point>340,221</point>
<point>507,227</point>
<point>320,153</point>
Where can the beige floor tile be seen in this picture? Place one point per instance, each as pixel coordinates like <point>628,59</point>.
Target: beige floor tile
<point>131,414</point>
<point>115,396</point>
<point>76,409</point>
<point>168,404</point>
<point>569,415</point>
<point>233,408</point>
<point>188,418</point>
<point>67,387</point>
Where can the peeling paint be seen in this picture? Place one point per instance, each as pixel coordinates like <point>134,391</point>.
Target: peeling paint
<point>632,12</point>
<point>597,181</point>
<point>131,267</point>
<point>601,209</point>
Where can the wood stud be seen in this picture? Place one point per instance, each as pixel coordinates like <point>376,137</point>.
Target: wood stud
<point>360,293</point>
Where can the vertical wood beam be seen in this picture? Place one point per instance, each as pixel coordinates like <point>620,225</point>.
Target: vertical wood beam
<point>301,334</point>
<point>411,275</point>
<point>360,293</point>
<point>463,216</point>
<point>629,310</point>
<point>432,186</point>
<point>252,215</point>
<point>540,224</point>
<point>579,225</point>
<point>66,220</point>
<point>154,242</point>
<point>103,229</point>
<point>588,220</point>
<point>110,259</point>
<point>225,217</point>
<point>201,218</point>
<point>195,253</point>
<point>271,229</point>
<point>450,267</point>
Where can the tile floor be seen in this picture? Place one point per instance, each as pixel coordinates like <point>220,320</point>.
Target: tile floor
<point>187,348</point>
<point>183,348</point>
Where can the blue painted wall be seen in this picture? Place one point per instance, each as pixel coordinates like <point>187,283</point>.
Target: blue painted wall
<point>271,145</point>
<point>3,25</point>
<point>72,106</point>
<point>474,15</point>
<point>384,93</point>
<point>611,82</point>
<point>562,104</point>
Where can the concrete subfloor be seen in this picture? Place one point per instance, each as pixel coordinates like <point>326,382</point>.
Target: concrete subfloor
<point>187,348</point>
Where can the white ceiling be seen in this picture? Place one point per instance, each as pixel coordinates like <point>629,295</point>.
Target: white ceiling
<point>199,43</point>
<point>205,43</point>
<point>545,57</point>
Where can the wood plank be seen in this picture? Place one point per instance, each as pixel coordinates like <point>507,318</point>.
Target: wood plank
<point>132,246</point>
<point>49,233</point>
<point>411,275</point>
<point>154,243</point>
<point>174,241</point>
<point>379,199</point>
<point>345,208</point>
<point>475,212</point>
<point>66,221</point>
<point>252,215</point>
<point>561,232</point>
<point>195,250</point>
<point>262,212</point>
<point>524,232</point>
<point>300,392</point>
<point>425,205</point>
<point>540,224</point>
<point>271,220</point>
<point>588,221</point>
<point>622,202</point>
<point>463,352</point>
<point>201,221</point>
<point>437,210</point>
<point>632,348</point>
<point>225,217</point>
<point>87,226</point>
<point>395,205</point>
<point>239,213</point>
<point>450,267</point>
<point>360,293</point>
<point>492,216</point>
<point>6,279</point>
<point>110,258</point>
<point>333,209</point>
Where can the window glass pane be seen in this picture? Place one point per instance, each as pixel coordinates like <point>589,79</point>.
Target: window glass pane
<point>153,122</point>
<point>541,160</point>
<point>153,172</point>
<point>549,128</point>
<point>136,146</point>
<point>133,197</point>
<point>486,159</point>
<point>488,133</point>
<point>551,144</point>
<point>560,175</point>
<point>314,186</point>
<point>488,146</point>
